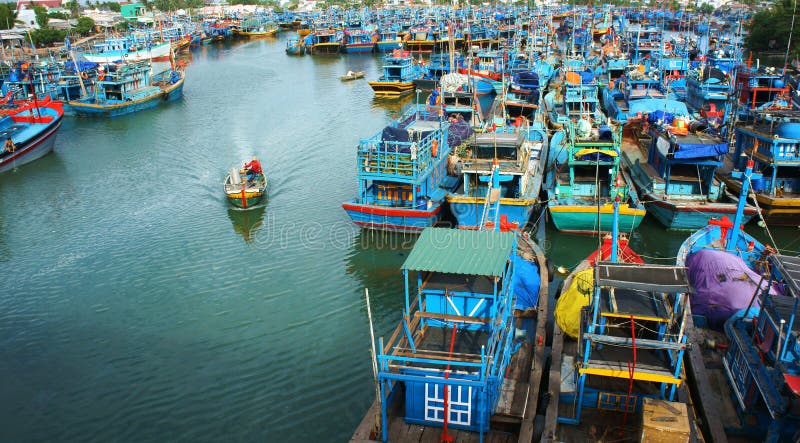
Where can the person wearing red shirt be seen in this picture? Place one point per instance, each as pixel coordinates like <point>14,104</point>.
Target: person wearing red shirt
<point>253,168</point>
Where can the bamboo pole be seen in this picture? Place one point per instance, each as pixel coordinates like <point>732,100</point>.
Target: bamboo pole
<point>377,422</point>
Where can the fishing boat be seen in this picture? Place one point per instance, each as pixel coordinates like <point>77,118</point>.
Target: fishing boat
<point>708,92</point>
<point>358,41</point>
<point>586,178</point>
<point>114,50</point>
<point>575,96</point>
<point>323,42</point>
<point>638,83</point>
<point>461,365</point>
<point>244,192</point>
<point>399,72</point>
<point>617,351</point>
<point>501,177</point>
<point>770,138</point>
<point>743,366</point>
<point>673,166</point>
<point>294,46</point>
<point>403,173</point>
<point>419,39</point>
<point>29,132</point>
<point>128,88</point>
<point>352,76</point>
<point>388,40</point>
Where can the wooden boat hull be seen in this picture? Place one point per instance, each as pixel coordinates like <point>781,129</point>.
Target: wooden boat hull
<point>358,48</point>
<point>88,109</point>
<point>33,149</point>
<point>777,211</point>
<point>258,34</point>
<point>245,195</point>
<point>353,76</point>
<point>384,218</point>
<point>582,219</point>
<point>387,46</point>
<point>250,198</point>
<point>468,210</point>
<point>392,89</point>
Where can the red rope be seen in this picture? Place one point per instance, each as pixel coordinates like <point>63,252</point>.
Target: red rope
<point>631,372</point>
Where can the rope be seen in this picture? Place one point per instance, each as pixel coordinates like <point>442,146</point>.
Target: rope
<point>758,208</point>
<point>631,372</point>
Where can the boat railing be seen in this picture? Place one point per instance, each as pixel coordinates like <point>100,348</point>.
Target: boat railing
<point>402,160</point>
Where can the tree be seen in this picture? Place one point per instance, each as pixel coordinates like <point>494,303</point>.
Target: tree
<point>41,15</point>
<point>85,26</point>
<point>74,8</point>
<point>46,36</point>
<point>112,6</point>
<point>706,8</point>
<point>770,28</point>
<point>7,16</point>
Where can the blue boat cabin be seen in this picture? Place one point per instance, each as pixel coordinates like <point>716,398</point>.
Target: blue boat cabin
<point>464,307</point>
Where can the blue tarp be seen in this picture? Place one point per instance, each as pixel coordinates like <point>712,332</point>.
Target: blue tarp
<point>700,150</point>
<point>526,284</point>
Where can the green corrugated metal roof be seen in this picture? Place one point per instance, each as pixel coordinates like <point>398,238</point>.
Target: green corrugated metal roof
<point>458,251</point>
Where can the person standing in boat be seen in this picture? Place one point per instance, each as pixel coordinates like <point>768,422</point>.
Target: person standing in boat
<point>9,146</point>
<point>253,169</point>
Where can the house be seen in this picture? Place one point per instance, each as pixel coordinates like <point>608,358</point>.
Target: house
<point>132,11</point>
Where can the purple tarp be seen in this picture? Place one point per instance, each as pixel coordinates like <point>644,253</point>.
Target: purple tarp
<point>723,284</point>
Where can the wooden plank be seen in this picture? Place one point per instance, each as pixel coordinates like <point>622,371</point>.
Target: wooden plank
<point>431,435</point>
<point>506,397</point>
<point>366,426</point>
<point>538,360</point>
<point>398,429</point>
<point>414,434</point>
<point>453,318</point>
<point>697,368</point>
<point>554,387</point>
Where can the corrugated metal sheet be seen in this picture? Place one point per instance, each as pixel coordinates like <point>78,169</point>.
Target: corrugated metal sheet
<point>458,251</point>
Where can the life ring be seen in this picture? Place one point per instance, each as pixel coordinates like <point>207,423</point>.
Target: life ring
<point>434,147</point>
<point>101,76</point>
<point>84,75</point>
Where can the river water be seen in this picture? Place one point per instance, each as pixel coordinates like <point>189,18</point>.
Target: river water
<point>136,305</point>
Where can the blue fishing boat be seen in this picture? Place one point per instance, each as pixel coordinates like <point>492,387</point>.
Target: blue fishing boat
<point>617,350</point>
<point>128,88</point>
<point>708,93</point>
<point>744,306</point>
<point>323,42</point>
<point>294,46</point>
<point>638,83</point>
<point>586,178</point>
<point>403,173</point>
<point>459,357</point>
<point>28,132</point>
<point>358,41</point>
<point>399,73</point>
<point>575,97</point>
<point>501,176</point>
<point>129,49</point>
<point>419,39</point>
<point>388,40</point>
<point>673,169</point>
<point>771,139</point>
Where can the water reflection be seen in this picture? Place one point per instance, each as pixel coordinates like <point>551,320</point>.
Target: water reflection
<point>247,222</point>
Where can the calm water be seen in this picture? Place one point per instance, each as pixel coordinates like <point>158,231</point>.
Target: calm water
<point>135,305</point>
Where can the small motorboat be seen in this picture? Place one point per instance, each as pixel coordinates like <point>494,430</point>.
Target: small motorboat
<point>352,76</point>
<point>242,191</point>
